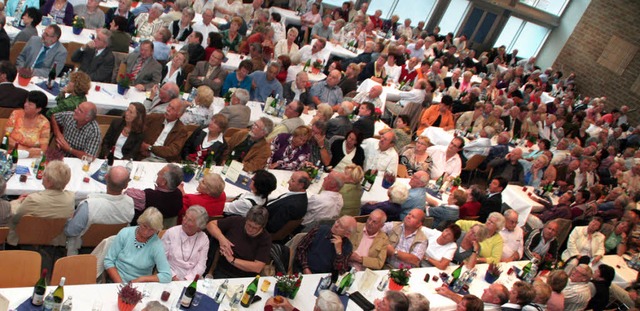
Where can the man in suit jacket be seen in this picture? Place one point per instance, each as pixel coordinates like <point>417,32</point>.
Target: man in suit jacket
<point>164,134</point>
<point>209,73</point>
<point>149,72</point>
<point>493,201</point>
<point>5,42</point>
<point>297,90</point>
<point>249,146</point>
<point>376,253</point>
<point>12,97</point>
<point>96,58</point>
<point>238,113</point>
<point>53,52</point>
<point>291,205</point>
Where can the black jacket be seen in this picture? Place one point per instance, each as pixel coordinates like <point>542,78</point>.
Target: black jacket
<point>196,139</point>
<point>131,145</point>
<point>288,94</point>
<point>175,28</point>
<point>490,205</point>
<point>292,207</point>
<point>337,154</point>
<point>179,79</point>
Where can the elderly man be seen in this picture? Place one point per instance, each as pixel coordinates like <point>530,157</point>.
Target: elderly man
<point>109,208</point>
<point>416,49</point>
<point>374,70</point>
<point>123,9</point>
<point>493,296</point>
<point>480,145</point>
<point>578,291</point>
<point>160,98</point>
<point>541,244</point>
<point>265,83</point>
<point>328,203</point>
<point>144,70</point>
<point>393,301</point>
<point>513,236</point>
<point>42,53</point>
<point>292,121</point>
<point>161,48</point>
<point>370,243</point>
<point>445,160</point>
<point>238,113</point>
<point>322,30</point>
<point>327,91</point>
<point>313,51</point>
<point>407,243</point>
<point>509,167</point>
<point>297,90</point>
<point>471,121</point>
<point>417,193</point>
<point>372,96</point>
<point>194,48</point>
<point>206,25</point>
<point>340,125</point>
<point>164,134</point>
<point>381,155</point>
<point>209,73</point>
<point>77,133</point>
<point>166,196</point>
<point>249,146</point>
<point>52,202</point>
<point>362,58</point>
<point>149,23</point>
<point>96,58</point>
<point>493,201</point>
<point>290,206</point>
<point>365,123</point>
<point>326,248</point>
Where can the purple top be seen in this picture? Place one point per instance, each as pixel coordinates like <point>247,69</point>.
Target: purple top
<point>287,156</point>
<point>68,12</point>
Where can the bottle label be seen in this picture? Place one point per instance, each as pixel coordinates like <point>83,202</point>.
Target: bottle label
<point>186,301</point>
<point>37,299</point>
<point>57,306</point>
<point>245,299</point>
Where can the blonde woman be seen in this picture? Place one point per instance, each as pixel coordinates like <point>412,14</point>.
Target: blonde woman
<point>199,114</point>
<point>287,46</point>
<point>417,158</point>
<point>351,191</point>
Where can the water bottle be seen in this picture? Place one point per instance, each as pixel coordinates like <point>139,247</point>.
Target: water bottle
<point>68,305</point>
<point>222,290</point>
<point>129,166</point>
<point>235,299</point>
<point>103,170</point>
<point>457,285</point>
<point>48,302</point>
<point>192,95</point>
<point>383,283</point>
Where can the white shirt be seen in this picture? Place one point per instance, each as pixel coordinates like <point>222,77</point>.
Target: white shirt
<point>480,146</point>
<point>205,30</point>
<point>440,164</point>
<point>393,72</point>
<point>325,205</point>
<point>435,250</point>
<point>305,54</point>
<point>413,96</point>
<point>234,7</point>
<point>174,76</point>
<point>513,242</point>
<point>419,53</point>
<point>380,160</point>
<point>208,143</point>
<point>168,126</point>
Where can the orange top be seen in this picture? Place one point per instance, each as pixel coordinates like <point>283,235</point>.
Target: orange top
<point>430,116</point>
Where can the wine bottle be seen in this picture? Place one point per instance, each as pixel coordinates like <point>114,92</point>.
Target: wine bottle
<point>52,76</point>
<point>209,160</point>
<point>228,162</point>
<point>346,282</point>
<point>40,171</point>
<point>222,291</point>
<point>37,299</point>
<point>5,142</point>
<point>440,181</point>
<point>14,155</point>
<point>306,65</point>
<point>247,298</point>
<point>58,295</point>
<point>369,179</point>
<point>296,287</point>
<point>189,293</point>
<point>274,105</point>
<point>455,274</point>
<point>525,271</point>
<point>110,156</point>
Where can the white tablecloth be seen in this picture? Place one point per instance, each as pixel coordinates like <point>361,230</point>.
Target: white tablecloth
<point>520,201</point>
<point>289,17</point>
<point>67,33</point>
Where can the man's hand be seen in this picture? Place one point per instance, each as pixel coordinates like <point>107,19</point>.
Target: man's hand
<point>62,144</point>
<point>154,91</point>
<point>355,257</point>
<point>445,291</point>
<point>140,87</point>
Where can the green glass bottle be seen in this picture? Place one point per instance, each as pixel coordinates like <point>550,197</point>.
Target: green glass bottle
<point>189,293</point>
<point>455,275</point>
<point>37,299</point>
<point>247,298</point>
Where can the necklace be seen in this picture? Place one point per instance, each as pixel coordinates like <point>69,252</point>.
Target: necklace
<point>137,243</point>
<point>192,248</point>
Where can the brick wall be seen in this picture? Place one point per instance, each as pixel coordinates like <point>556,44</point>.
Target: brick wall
<point>601,20</point>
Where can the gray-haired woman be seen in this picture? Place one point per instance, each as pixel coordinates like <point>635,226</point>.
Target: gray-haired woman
<point>186,246</point>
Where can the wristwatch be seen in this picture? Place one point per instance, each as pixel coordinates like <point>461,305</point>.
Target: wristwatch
<point>395,253</point>
<point>149,148</point>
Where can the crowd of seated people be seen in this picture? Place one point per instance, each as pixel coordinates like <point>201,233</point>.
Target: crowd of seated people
<point>531,126</point>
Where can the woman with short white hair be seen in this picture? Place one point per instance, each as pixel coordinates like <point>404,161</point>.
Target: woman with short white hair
<point>491,247</point>
<point>186,246</point>
<point>398,193</point>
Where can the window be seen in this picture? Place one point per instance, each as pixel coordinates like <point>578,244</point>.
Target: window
<point>525,36</point>
<point>453,16</point>
<point>555,7</point>
<point>416,10</point>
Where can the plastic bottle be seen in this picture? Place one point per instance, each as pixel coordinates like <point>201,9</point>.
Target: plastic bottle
<point>48,302</point>
<point>222,291</point>
<point>67,305</point>
<point>235,299</point>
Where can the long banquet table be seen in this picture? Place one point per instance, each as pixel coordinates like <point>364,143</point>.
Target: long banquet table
<point>87,296</point>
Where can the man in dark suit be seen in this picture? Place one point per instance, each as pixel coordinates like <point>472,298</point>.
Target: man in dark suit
<point>493,201</point>
<point>454,79</point>
<point>12,97</point>
<point>5,42</point>
<point>291,205</point>
<point>41,53</point>
<point>209,73</point>
<point>297,90</point>
<point>145,70</point>
<point>365,123</point>
<point>96,57</point>
<point>123,10</point>
<point>164,134</point>
<point>194,48</point>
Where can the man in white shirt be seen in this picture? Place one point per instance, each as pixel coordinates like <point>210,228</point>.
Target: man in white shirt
<point>417,49</point>
<point>480,145</point>
<point>227,7</point>
<point>416,95</point>
<point>513,238</point>
<point>328,203</point>
<point>381,155</point>
<point>313,51</point>
<point>372,96</point>
<point>206,25</point>
<point>578,291</point>
<point>446,159</point>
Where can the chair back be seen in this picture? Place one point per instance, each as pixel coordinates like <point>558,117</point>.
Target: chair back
<point>118,66</point>
<point>402,171</point>
<point>4,232</point>
<point>19,268</point>
<point>361,218</point>
<point>33,230</point>
<point>5,113</point>
<point>474,162</point>
<point>564,227</point>
<point>293,244</point>
<point>100,252</point>
<point>99,232</point>
<point>161,233</point>
<point>71,48</point>
<point>169,222</point>
<point>428,221</point>
<point>77,270</point>
<point>286,230</point>
<point>16,48</point>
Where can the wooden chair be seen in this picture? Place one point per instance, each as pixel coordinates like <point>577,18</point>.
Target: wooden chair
<point>72,47</point>
<point>188,68</point>
<point>4,232</point>
<point>428,222</point>
<point>5,113</point>
<point>104,121</point>
<point>39,231</point>
<point>118,65</point>
<point>286,230</point>
<point>402,171</point>
<point>212,218</point>
<point>293,244</point>
<point>77,270</point>
<point>564,227</point>
<point>472,165</point>
<point>19,268</point>
<point>161,233</point>
<point>99,232</point>
<point>16,48</point>
<point>361,218</point>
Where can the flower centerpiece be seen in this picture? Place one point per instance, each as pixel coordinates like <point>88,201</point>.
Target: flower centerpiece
<point>189,169</point>
<point>128,297</point>
<point>287,285</point>
<point>317,66</point>
<point>493,273</point>
<point>77,25</point>
<point>124,81</point>
<point>455,183</point>
<point>227,96</point>
<point>399,278</point>
<point>531,140</point>
<point>24,76</point>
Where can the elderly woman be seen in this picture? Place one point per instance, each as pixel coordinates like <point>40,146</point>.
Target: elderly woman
<point>125,134</point>
<point>471,208</point>
<point>290,151</point>
<point>491,247</point>
<point>173,71</point>
<point>338,35</point>
<point>149,23</point>
<point>558,280</point>
<point>442,246</point>
<point>231,38</point>
<point>135,252</point>
<point>351,191</point>
<point>444,213</point>
<point>417,158</point>
<point>30,19</point>
<point>469,245</point>
<point>262,184</point>
<point>287,46</point>
<point>585,244</point>
<point>347,151</point>
<point>323,113</point>
<point>465,85</point>
<point>52,202</point>
<point>616,243</point>
<point>534,171</point>
<point>244,244</point>
<point>210,195</point>
<point>181,29</point>
<point>78,88</point>
<point>199,113</point>
<point>122,10</point>
<point>92,14</point>
<point>60,10</point>
<point>398,193</point>
<point>186,246</point>
<point>31,130</point>
<point>349,81</point>
<point>207,141</point>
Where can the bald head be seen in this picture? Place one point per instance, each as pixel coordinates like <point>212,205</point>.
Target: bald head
<point>117,180</point>
<point>334,78</point>
<point>375,91</point>
<point>344,226</point>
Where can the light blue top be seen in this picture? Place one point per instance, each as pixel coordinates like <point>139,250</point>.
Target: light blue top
<point>133,262</point>
<point>416,199</point>
<point>11,5</point>
<point>141,8</point>
<point>264,87</point>
<point>232,82</point>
